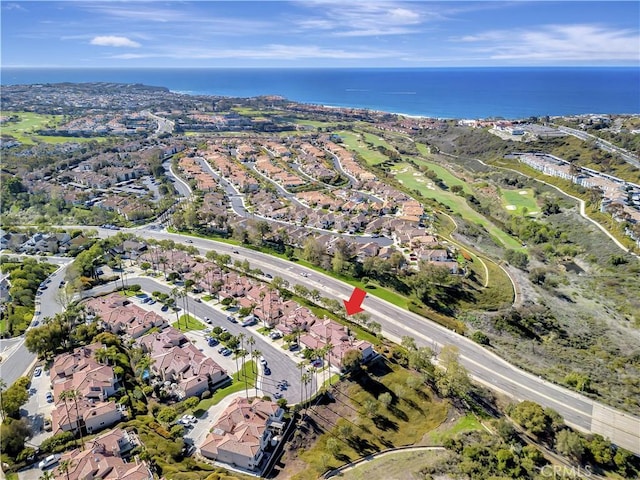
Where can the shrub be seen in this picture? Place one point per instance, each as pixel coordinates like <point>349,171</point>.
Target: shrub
<point>57,443</point>
<point>205,394</point>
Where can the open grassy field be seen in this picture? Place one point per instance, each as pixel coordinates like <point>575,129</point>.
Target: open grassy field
<point>186,323</point>
<point>408,418</point>
<point>24,129</point>
<point>445,175</point>
<point>415,180</point>
<point>352,142</point>
<point>515,201</point>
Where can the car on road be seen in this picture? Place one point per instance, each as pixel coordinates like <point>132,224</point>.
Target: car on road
<point>231,319</point>
<point>49,397</point>
<point>277,395</point>
<point>235,251</point>
<point>189,241</point>
<point>49,461</point>
<point>268,275</point>
<point>190,418</point>
<point>207,319</point>
<point>37,372</point>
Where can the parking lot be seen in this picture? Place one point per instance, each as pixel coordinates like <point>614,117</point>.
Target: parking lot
<point>37,407</point>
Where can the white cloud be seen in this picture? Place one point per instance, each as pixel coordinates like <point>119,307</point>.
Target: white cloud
<point>557,43</point>
<point>355,19</point>
<point>114,41</point>
<point>267,52</point>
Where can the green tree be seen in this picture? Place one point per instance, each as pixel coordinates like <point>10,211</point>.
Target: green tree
<point>333,446</point>
<point>570,443</point>
<point>13,434</point>
<point>385,399</point>
<point>532,417</point>
<point>15,397</point>
<point>352,360</point>
<point>453,379</point>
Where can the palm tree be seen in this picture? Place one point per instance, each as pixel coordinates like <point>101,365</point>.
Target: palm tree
<point>175,294</point>
<point>306,379</point>
<point>197,277</point>
<point>73,395</point>
<point>251,342</point>
<point>255,354</point>
<point>46,475</point>
<point>64,467</point>
<point>244,353</point>
<point>241,337</point>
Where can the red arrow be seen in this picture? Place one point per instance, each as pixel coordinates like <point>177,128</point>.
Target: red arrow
<point>353,304</point>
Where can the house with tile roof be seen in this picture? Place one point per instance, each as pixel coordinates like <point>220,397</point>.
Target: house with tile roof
<point>102,459</point>
<point>243,432</point>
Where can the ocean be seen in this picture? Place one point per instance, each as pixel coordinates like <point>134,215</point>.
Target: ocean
<point>509,93</point>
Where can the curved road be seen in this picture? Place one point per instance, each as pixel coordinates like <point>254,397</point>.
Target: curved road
<point>236,200</point>
<point>486,367</point>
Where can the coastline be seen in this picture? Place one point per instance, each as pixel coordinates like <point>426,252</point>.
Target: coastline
<point>441,93</point>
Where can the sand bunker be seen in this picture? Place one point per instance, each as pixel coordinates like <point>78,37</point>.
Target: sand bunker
<point>511,207</point>
<point>523,192</point>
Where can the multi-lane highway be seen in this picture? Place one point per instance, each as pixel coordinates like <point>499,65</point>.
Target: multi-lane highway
<point>486,367</point>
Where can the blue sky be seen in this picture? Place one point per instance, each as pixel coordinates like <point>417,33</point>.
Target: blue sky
<point>317,33</point>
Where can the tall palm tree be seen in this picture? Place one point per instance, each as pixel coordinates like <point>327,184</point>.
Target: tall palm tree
<point>306,379</point>
<point>242,336</point>
<point>46,475</point>
<point>255,354</point>
<point>244,353</point>
<point>64,467</point>
<point>74,395</point>
<point>251,342</point>
<point>175,294</point>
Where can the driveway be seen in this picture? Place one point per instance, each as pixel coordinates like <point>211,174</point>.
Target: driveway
<point>37,408</point>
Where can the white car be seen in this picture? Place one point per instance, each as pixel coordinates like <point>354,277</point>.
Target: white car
<point>37,372</point>
<point>189,418</point>
<point>50,460</point>
<point>263,360</point>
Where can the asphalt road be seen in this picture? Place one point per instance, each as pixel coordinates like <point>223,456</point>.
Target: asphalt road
<point>483,365</point>
<point>282,365</point>
<point>16,359</point>
<point>237,205</point>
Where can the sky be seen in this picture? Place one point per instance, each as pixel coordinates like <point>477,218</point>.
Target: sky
<point>319,33</point>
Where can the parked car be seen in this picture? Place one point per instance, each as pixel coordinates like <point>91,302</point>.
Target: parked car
<point>165,308</point>
<point>275,335</point>
<point>263,360</point>
<point>190,418</point>
<point>267,371</point>
<point>37,372</point>
<point>268,275</point>
<point>50,460</point>
<point>49,397</point>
